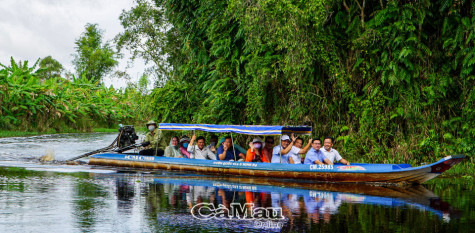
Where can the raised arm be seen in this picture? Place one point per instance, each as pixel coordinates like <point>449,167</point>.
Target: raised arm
<point>250,153</point>
<point>193,138</point>
<point>306,148</point>
<point>286,150</point>
<point>191,148</point>
<point>223,155</point>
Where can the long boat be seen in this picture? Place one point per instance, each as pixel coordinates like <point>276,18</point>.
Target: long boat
<point>354,173</point>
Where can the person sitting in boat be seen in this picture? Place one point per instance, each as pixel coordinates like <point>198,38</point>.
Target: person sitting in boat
<point>212,143</point>
<point>254,153</point>
<point>200,151</point>
<point>298,158</point>
<point>173,150</point>
<point>285,152</point>
<point>280,153</point>
<point>236,146</point>
<point>154,138</point>
<point>226,151</point>
<point>268,148</point>
<point>184,141</point>
<point>331,153</point>
<point>314,155</point>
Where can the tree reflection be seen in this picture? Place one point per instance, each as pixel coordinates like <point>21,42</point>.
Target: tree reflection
<point>88,200</point>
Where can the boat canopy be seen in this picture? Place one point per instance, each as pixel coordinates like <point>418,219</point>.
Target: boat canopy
<point>241,129</point>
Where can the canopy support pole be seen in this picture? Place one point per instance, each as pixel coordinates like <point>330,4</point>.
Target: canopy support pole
<point>234,150</point>
<point>194,152</point>
<point>158,142</point>
<point>280,153</point>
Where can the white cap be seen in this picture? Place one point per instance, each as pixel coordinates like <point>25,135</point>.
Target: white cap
<point>284,137</point>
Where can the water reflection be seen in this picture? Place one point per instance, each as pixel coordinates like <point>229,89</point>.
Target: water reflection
<point>170,199</point>
<point>35,201</point>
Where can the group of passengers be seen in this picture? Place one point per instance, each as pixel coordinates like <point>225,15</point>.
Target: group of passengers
<point>290,150</point>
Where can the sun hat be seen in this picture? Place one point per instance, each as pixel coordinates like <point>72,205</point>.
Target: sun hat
<point>151,123</point>
<point>255,140</point>
<point>184,139</point>
<point>285,138</point>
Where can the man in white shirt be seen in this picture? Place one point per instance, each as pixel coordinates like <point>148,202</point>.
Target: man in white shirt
<point>284,152</point>
<point>331,153</point>
<point>200,151</point>
<point>296,154</point>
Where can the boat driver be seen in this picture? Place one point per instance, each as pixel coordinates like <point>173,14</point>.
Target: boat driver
<point>331,153</point>
<point>154,137</point>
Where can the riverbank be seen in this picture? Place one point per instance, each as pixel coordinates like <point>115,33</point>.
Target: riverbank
<point>10,133</point>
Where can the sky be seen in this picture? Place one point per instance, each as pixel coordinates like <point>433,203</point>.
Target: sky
<point>32,29</point>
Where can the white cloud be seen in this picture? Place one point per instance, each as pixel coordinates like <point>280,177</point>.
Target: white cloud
<point>30,30</point>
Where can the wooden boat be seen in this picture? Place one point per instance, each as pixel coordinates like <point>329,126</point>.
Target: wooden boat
<point>354,173</point>
<point>357,172</point>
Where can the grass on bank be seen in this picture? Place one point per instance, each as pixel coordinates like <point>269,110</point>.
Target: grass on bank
<point>465,169</point>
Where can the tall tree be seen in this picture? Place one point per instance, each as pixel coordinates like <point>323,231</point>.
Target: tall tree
<point>384,77</point>
<point>145,36</point>
<point>49,68</point>
<point>94,59</point>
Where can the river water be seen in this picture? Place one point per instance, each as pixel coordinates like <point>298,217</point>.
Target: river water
<point>54,197</point>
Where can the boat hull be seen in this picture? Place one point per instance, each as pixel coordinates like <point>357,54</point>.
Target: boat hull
<point>365,173</point>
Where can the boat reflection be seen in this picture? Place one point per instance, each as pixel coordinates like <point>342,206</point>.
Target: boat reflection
<point>300,204</point>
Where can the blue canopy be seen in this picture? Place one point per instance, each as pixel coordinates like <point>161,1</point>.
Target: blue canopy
<point>241,129</point>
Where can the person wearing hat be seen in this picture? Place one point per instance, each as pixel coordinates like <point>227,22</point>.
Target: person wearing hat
<point>153,137</point>
<point>184,142</point>
<point>254,154</point>
<point>283,152</point>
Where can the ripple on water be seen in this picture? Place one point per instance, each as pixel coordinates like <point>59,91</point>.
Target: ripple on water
<point>65,146</point>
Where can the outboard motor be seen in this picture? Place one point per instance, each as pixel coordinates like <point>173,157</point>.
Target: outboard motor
<point>127,136</point>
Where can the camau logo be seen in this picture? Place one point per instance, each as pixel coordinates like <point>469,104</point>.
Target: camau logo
<point>206,211</point>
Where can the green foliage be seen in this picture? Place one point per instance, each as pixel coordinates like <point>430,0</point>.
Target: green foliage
<point>177,102</point>
<point>393,81</point>
<point>143,36</point>
<point>49,67</point>
<point>93,59</point>
<point>31,103</point>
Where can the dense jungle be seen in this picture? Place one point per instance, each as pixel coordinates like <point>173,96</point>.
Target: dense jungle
<point>391,81</point>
